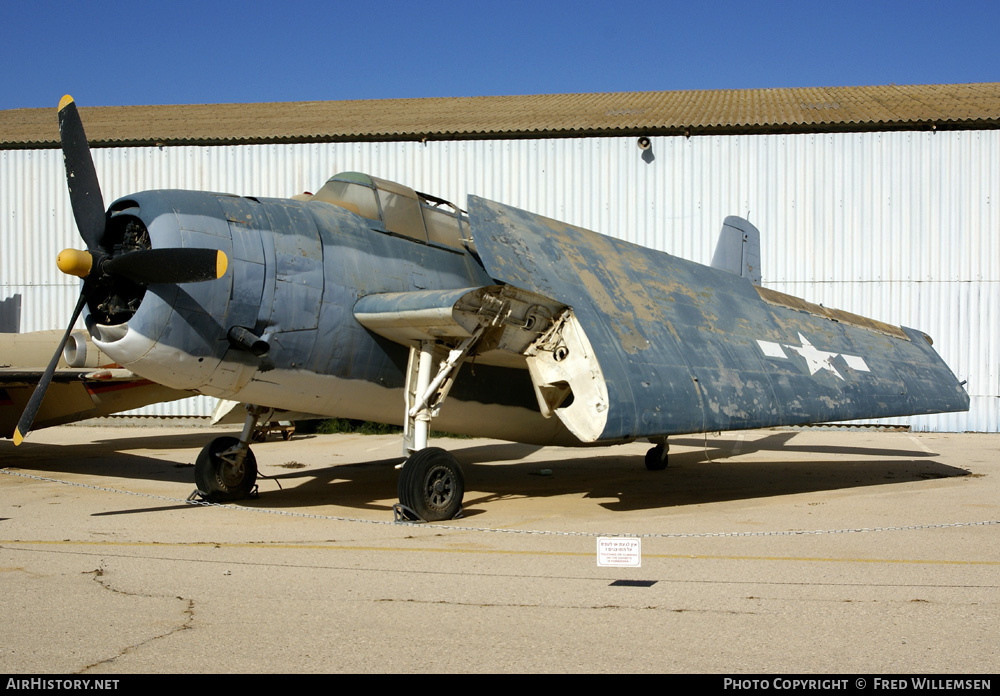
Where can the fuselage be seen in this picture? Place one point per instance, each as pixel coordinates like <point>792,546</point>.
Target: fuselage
<point>296,270</point>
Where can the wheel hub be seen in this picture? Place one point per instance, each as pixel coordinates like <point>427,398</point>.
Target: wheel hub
<point>232,475</point>
<point>222,474</point>
<point>440,489</point>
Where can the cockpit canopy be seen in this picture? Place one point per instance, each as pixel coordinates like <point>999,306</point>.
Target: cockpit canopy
<point>402,210</point>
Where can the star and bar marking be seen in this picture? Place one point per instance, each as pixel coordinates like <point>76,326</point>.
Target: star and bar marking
<point>815,358</point>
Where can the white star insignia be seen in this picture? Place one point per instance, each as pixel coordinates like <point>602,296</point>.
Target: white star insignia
<point>815,358</point>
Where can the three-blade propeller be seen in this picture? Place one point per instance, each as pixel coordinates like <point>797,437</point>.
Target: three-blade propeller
<point>97,263</point>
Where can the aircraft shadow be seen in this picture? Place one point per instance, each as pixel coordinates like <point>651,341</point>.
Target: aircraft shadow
<point>719,448</point>
<point>88,459</point>
<point>618,479</point>
<point>622,483</point>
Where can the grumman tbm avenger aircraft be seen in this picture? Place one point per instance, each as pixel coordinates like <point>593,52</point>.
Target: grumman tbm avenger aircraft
<point>366,299</point>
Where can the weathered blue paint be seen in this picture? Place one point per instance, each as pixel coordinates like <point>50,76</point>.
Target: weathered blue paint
<point>297,270</point>
<point>683,347</point>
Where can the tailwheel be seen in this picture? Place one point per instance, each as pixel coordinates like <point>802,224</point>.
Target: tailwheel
<point>656,457</point>
<point>225,471</point>
<point>431,485</point>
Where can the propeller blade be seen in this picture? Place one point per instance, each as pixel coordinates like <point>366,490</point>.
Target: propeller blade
<point>31,410</point>
<point>81,177</point>
<point>168,265</point>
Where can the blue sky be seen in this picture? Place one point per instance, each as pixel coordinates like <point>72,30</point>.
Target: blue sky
<point>150,52</point>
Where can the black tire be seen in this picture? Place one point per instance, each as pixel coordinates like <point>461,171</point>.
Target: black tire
<point>432,485</point>
<point>217,480</point>
<point>656,458</point>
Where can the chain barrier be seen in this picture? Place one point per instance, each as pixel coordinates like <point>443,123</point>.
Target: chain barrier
<point>539,532</point>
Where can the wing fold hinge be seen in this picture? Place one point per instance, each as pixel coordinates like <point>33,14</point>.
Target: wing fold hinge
<point>497,325</point>
<point>568,379</point>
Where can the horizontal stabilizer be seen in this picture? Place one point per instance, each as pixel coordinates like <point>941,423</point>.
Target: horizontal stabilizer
<point>738,249</point>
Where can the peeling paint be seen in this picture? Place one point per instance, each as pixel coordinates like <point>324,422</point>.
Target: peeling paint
<point>685,347</point>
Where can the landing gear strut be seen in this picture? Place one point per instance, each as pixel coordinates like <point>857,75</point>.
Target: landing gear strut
<point>226,468</point>
<point>656,457</point>
<point>431,485</point>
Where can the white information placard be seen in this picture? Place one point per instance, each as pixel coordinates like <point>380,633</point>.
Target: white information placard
<point>620,552</point>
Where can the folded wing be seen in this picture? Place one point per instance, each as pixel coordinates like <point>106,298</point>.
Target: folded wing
<point>682,347</point>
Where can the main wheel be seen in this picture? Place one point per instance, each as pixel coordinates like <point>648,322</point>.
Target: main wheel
<point>219,480</point>
<point>431,484</point>
<point>656,458</point>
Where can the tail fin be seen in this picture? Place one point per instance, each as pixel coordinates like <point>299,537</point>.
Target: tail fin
<point>738,250</point>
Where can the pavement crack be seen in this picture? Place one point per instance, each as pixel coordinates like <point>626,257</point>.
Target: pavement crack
<point>602,607</point>
<point>455,604</point>
<point>187,613</point>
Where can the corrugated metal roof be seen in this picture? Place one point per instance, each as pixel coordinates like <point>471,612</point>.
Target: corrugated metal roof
<point>699,112</point>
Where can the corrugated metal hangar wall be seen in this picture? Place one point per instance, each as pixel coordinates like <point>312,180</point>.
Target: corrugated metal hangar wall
<point>903,227</point>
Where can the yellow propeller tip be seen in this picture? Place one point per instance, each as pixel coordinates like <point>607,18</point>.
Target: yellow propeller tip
<point>75,262</point>
<point>221,264</point>
<point>65,101</point>
<point>18,437</point>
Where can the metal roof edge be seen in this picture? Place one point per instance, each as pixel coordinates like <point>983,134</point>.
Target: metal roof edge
<point>671,113</point>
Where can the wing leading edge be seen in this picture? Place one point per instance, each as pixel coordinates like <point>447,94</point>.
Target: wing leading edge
<point>683,347</point>
<point>77,394</point>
